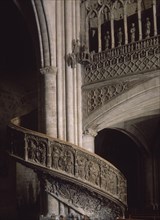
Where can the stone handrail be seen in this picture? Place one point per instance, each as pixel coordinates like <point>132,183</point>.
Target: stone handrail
<point>68,159</point>
<point>121,61</point>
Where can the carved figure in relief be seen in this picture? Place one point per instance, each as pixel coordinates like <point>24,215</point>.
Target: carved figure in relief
<point>93,173</point>
<point>80,167</point>
<point>62,161</point>
<point>36,151</point>
<point>147,28</point>
<point>122,190</point>
<point>55,157</point>
<point>120,36</point>
<point>69,162</point>
<point>112,182</point>
<point>41,153</point>
<point>104,176</point>
<point>31,150</point>
<point>133,32</point>
<point>75,46</point>
<point>71,60</point>
<point>107,40</point>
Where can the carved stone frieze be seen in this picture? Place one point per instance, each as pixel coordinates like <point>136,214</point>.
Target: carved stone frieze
<point>62,157</point>
<point>96,97</point>
<point>83,200</point>
<point>37,149</point>
<point>67,160</point>
<point>87,168</point>
<point>124,61</point>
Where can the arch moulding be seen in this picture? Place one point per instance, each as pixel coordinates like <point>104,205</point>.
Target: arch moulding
<point>142,100</point>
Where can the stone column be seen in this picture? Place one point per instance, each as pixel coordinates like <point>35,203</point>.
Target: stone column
<point>87,34</point>
<point>74,71</point>
<point>48,101</point>
<point>60,81</point>
<point>52,206</point>
<point>125,24</point>
<point>88,140</point>
<point>79,80</point>
<point>61,209</point>
<point>139,19</point>
<point>69,73</point>
<point>154,17</point>
<point>99,33</point>
<point>112,31</point>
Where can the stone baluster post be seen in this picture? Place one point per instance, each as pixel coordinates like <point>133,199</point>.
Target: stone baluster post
<point>88,140</point>
<point>125,24</point>
<point>112,31</point>
<point>154,17</point>
<point>99,33</point>
<point>48,99</point>
<point>139,19</point>
<point>26,148</point>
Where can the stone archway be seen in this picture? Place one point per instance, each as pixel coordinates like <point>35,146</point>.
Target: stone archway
<point>18,78</point>
<point>141,100</point>
<point>18,93</point>
<point>123,151</point>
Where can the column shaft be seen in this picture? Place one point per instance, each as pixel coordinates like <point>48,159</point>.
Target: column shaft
<point>155,17</point>
<point>79,80</point>
<point>53,205</point>
<point>88,140</point>
<point>74,73</point>
<point>60,121</point>
<point>125,25</point>
<point>112,32</point>
<point>87,34</point>
<point>69,73</point>
<point>49,112</point>
<point>99,34</point>
<point>139,19</point>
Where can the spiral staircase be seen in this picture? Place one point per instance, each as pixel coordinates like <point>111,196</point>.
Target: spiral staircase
<point>82,182</point>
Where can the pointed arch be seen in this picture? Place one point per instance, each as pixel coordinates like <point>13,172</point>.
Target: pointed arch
<point>36,18</point>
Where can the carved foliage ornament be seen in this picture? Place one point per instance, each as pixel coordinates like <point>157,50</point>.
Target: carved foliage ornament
<point>97,97</point>
<point>73,162</point>
<point>37,150</point>
<point>62,158</point>
<point>83,201</point>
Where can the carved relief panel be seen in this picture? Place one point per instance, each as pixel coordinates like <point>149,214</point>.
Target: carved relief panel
<point>37,150</point>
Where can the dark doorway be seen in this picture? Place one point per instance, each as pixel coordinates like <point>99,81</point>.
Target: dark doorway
<point>119,149</point>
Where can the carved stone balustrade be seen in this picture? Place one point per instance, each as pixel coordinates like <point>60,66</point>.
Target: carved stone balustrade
<point>68,160</point>
<point>126,60</point>
<point>110,73</point>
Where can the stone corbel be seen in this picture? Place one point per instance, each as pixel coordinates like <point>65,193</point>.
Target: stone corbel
<point>91,132</point>
<point>48,70</point>
<point>79,54</point>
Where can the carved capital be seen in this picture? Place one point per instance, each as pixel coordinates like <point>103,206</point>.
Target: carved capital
<point>48,70</point>
<point>90,131</point>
